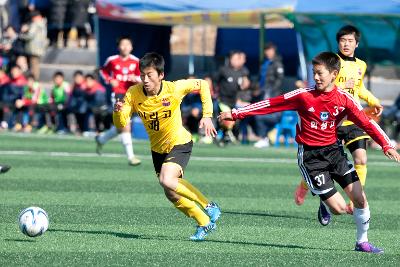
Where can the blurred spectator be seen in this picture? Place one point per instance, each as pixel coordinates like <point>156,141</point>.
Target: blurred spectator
<point>271,77</point>
<point>78,17</point>
<point>13,92</point>
<point>26,104</point>
<point>22,62</point>
<point>231,79</point>
<point>11,46</point>
<point>4,81</point>
<point>36,98</point>
<point>271,73</point>
<point>4,16</point>
<point>77,103</point>
<point>191,108</point>
<point>391,116</point>
<point>245,98</point>
<point>59,98</point>
<point>97,100</point>
<point>35,36</point>
<point>69,18</point>
<point>58,11</point>
<point>24,8</point>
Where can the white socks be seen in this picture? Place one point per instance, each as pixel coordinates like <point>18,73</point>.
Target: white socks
<point>107,135</point>
<point>126,140</point>
<point>361,218</point>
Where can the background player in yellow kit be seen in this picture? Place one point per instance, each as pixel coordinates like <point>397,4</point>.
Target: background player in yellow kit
<point>157,103</point>
<point>350,79</point>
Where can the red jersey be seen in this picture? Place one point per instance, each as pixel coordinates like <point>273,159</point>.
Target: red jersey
<point>125,71</point>
<point>320,114</point>
<point>94,88</point>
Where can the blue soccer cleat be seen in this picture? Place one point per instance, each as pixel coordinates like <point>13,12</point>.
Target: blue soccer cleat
<point>213,211</point>
<point>203,231</point>
<point>368,248</point>
<point>324,217</point>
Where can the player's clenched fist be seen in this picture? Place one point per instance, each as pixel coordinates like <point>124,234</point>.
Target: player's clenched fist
<point>225,116</point>
<point>118,105</point>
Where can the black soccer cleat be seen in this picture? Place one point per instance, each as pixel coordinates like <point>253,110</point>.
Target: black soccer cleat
<point>4,168</point>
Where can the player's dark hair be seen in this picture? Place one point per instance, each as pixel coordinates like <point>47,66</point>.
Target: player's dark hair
<point>58,73</point>
<point>348,29</point>
<point>269,45</point>
<point>90,76</point>
<point>154,60</point>
<point>330,60</point>
<point>78,72</point>
<point>234,52</point>
<point>124,37</point>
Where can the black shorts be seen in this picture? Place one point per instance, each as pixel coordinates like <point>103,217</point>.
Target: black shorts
<point>321,166</point>
<point>180,154</point>
<point>353,136</point>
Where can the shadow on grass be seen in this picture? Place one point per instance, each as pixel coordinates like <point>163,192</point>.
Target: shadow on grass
<point>20,240</point>
<point>116,234</point>
<point>169,238</point>
<point>337,219</point>
<point>288,246</point>
<point>264,214</point>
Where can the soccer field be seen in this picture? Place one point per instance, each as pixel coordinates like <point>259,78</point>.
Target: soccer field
<point>106,213</point>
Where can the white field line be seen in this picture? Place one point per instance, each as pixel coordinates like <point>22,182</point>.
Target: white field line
<point>195,158</point>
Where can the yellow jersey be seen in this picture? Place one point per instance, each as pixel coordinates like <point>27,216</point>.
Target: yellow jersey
<point>354,68</point>
<point>161,114</point>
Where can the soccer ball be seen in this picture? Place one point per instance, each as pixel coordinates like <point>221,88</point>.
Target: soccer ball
<point>33,221</point>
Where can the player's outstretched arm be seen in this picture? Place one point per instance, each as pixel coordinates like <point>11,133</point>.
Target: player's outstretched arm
<point>225,116</point>
<point>208,126</point>
<point>119,103</point>
<point>392,154</point>
<point>121,113</point>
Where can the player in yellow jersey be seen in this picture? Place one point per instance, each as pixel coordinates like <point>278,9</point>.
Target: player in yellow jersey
<point>157,103</point>
<point>350,79</point>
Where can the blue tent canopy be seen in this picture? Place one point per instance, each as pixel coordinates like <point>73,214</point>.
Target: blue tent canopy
<point>315,20</point>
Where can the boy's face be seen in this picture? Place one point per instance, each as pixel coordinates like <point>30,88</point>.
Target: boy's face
<point>125,47</point>
<point>236,61</point>
<point>323,78</point>
<point>78,79</point>
<point>270,53</point>
<point>347,45</point>
<point>58,80</point>
<point>89,82</point>
<point>151,80</point>
<point>15,72</point>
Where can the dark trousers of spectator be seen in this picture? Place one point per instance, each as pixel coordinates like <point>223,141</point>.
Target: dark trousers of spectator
<point>59,119</point>
<point>266,123</point>
<point>102,121</point>
<point>82,119</point>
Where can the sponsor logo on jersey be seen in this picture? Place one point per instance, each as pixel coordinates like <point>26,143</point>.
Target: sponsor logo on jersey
<point>311,109</point>
<point>324,115</point>
<point>165,102</point>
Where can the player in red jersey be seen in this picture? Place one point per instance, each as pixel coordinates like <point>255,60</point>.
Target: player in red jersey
<point>121,72</point>
<point>320,157</point>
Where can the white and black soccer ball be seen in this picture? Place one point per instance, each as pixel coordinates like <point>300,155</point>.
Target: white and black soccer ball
<point>33,221</point>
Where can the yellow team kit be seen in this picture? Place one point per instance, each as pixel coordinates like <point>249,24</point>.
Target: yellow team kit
<point>161,114</point>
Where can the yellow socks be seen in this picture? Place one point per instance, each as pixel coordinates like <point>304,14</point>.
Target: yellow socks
<point>304,184</point>
<point>190,209</point>
<point>362,173</point>
<point>187,190</point>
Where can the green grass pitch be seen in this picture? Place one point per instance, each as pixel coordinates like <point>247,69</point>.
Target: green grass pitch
<point>106,213</point>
